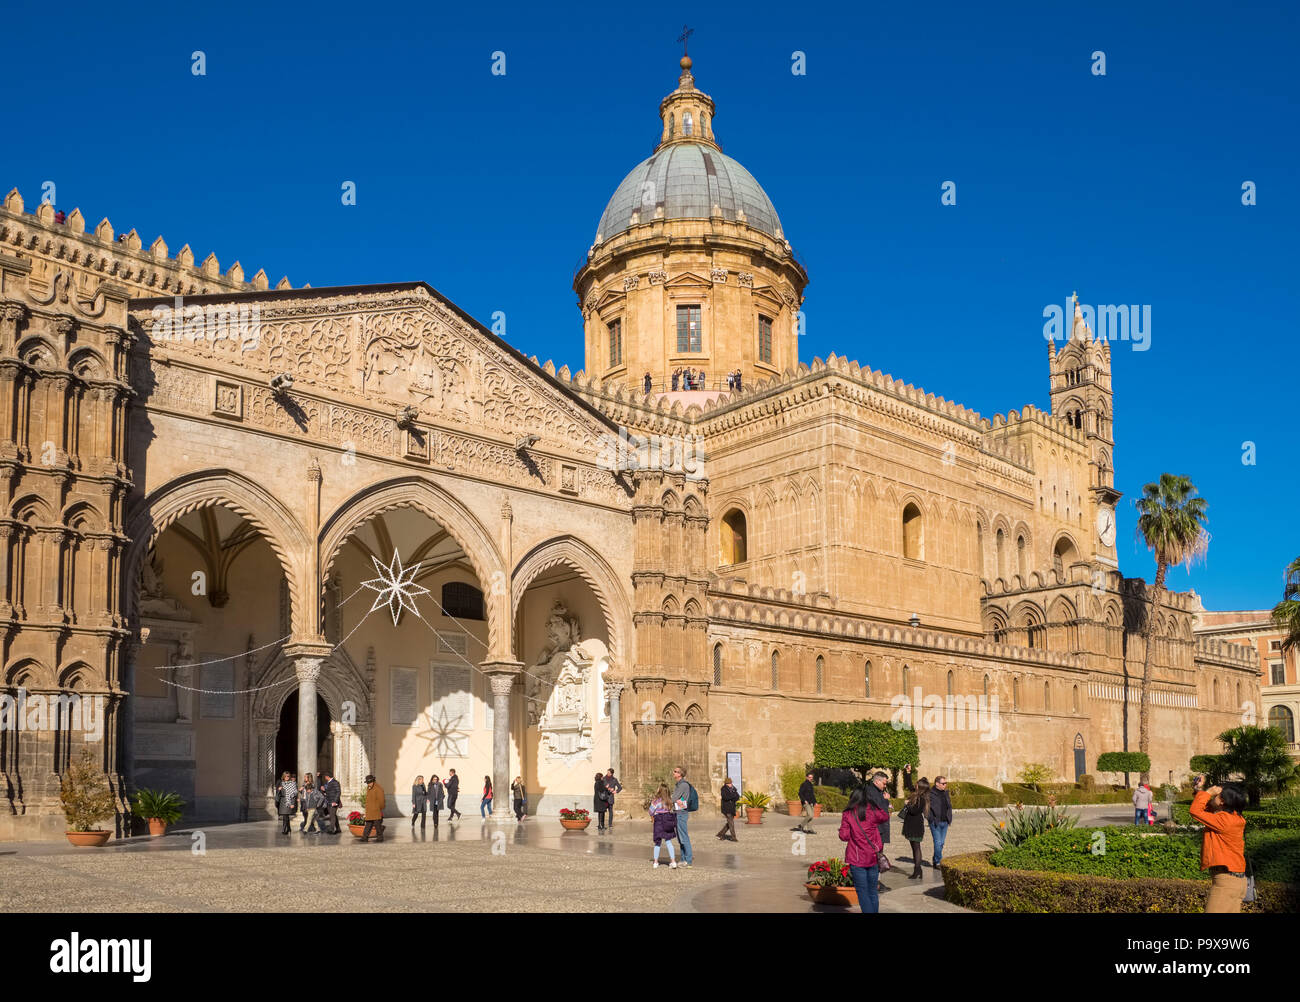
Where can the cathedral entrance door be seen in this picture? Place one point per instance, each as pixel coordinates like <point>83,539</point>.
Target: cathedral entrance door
<point>1080,760</point>
<point>286,738</point>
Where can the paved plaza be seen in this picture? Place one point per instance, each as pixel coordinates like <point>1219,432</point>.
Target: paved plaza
<point>468,866</point>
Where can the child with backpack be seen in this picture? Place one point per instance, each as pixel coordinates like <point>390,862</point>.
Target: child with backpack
<point>665,825</point>
<point>314,800</point>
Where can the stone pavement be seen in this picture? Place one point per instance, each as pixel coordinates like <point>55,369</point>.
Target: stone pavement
<point>468,866</point>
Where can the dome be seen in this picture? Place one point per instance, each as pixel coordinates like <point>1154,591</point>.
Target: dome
<point>687,180</point>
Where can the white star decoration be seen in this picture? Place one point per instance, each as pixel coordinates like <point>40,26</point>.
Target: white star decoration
<point>396,587</point>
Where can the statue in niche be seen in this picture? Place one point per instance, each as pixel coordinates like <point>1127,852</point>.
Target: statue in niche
<point>154,600</point>
<point>557,694</point>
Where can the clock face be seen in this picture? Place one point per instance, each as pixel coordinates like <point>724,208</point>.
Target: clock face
<point>1106,526</point>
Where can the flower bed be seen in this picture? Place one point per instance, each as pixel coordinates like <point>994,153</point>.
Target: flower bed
<point>971,881</point>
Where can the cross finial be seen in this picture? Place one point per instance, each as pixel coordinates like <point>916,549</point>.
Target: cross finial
<point>684,38</point>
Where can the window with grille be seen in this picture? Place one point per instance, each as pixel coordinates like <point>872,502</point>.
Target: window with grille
<point>765,339</point>
<point>616,343</point>
<point>717,664</point>
<point>1277,671</point>
<point>461,600</point>
<point>776,670</point>
<point>866,679</point>
<point>950,683</point>
<point>821,672</point>
<point>689,334</point>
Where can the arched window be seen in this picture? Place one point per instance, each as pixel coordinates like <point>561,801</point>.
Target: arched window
<point>1215,700</point>
<point>1015,694</point>
<point>1001,555</point>
<point>732,536</point>
<point>1022,559</point>
<point>986,687</point>
<point>913,533</point>
<point>717,664</point>
<point>1282,718</point>
<point>907,681</point>
<point>821,670</point>
<point>463,601</point>
<point>950,690</point>
<point>1074,700</point>
<point>776,670</point>
<point>866,680</point>
<point>687,125</point>
<point>1063,555</point>
<point>1047,696</point>
<point>672,125</point>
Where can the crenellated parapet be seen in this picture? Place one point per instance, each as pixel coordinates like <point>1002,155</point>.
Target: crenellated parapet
<point>1226,654</point>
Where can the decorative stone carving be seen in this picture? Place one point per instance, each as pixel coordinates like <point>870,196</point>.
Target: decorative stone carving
<point>658,277</point>
<point>719,276</point>
<point>631,282</point>
<point>746,280</point>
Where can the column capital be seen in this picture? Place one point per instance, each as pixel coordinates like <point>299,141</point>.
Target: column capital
<point>502,667</point>
<point>312,647</point>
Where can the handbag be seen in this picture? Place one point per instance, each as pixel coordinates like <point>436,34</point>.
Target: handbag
<point>882,860</point>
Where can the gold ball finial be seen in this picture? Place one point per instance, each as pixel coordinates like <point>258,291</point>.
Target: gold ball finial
<point>686,62</point>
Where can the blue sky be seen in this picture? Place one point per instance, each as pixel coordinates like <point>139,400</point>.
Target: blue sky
<point>1126,187</point>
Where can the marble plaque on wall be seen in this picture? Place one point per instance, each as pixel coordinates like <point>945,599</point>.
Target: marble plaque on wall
<point>219,703</point>
<point>403,700</point>
<point>452,711</point>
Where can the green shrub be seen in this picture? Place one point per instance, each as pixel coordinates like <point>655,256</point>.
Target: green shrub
<point>790,777</point>
<point>1087,783</point>
<point>1034,774</point>
<point>971,881</point>
<point>831,799</point>
<point>1025,795</point>
<point>165,806</point>
<point>1289,804</point>
<point>967,795</point>
<point>1128,853</point>
<point>864,745</point>
<point>1017,825</point>
<point>1123,761</point>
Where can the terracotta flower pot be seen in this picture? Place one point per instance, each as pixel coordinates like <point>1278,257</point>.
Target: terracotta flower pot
<point>575,824</point>
<point>88,838</point>
<point>753,815</point>
<point>157,827</point>
<point>794,808</point>
<point>843,897</point>
<point>357,830</point>
<point>817,810</point>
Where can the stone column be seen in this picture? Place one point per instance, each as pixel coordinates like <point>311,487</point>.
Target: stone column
<point>614,689</point>
<point>501,675</point>
<point>308,671</point>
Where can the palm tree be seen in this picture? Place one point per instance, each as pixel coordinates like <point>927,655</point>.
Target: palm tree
<point>1171,521</point>
<point>1287,612</point>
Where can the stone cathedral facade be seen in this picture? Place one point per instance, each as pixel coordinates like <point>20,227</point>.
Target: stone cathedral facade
<point>690,551</point>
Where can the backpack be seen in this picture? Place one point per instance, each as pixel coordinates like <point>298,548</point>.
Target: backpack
<point>692,799</point>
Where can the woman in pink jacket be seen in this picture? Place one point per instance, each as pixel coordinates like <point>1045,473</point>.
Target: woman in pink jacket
<point>858,827</point>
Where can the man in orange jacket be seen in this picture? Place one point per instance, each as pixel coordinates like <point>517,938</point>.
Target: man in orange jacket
<point>1223,846</point>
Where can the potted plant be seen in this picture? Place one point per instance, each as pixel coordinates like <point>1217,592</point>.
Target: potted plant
<point>158,808</point>
<point>828,883</point>
<point>357,823</point>
<point>791,777</point>
<point>86,799</point>
<point>755,804</point>
<point>574,818</point>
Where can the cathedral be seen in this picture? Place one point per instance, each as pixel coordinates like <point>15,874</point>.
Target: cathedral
<point>349,529</point>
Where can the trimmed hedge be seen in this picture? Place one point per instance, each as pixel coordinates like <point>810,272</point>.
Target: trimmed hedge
<point>831,799</point>
<point>863,745</point>
<point>1016,793</point>
<point>1257,820</point>
<point>1129,854</point>
<point>971,881</point>
<point>1123,761</point>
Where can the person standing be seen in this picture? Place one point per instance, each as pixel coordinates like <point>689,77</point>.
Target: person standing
<point>419,801</point>
<point>729,797</point>
<point>313,800</point>
<point>517,790</point>
<point>939,814</point>
<point>876,796</point>
<point>600,801</point>
<point>664,819</point>
<point>374,817</point>
<point>286,801</point>
<point>485,802</point>
<point>682,794</point>
<point>807,806</point>
<point>614,787</point>
<point>307,783</point>
<point>860,828</point>
<point>453,789</point>
<point>913,817</point>
<point>647,384</point>
<point>437,792</point>
<point>1223,846</point>
<point>1141,804</point>
<point>331,792</point>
